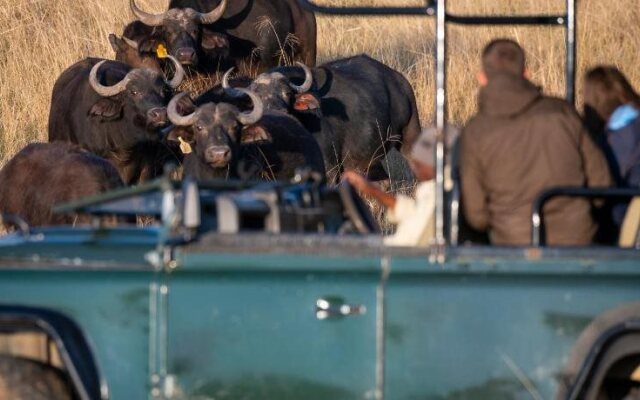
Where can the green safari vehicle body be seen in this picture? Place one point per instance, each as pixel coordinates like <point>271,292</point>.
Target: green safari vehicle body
<point>265,316</point>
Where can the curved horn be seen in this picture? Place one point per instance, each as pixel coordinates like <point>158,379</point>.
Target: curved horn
<point>106,91</point>
<point>178,75</point>
<point>213,15</point>
<point>251,117</point>
<point>145,17</point>
<point>177,119</point>
<point>131,43</point>
<point>228,89</point>
<point>308,79</point>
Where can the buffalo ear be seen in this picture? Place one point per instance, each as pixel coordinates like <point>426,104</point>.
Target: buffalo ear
<point>148,45</point>
<point>306,102</point>
<point>185,105</point>
<point>213,40</point>
<point>254,134</point>
<point>180,132</point>
<point>106,110</point>
<point>117,44</point>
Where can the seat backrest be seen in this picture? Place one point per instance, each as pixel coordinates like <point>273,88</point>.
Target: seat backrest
<point>631,225</point>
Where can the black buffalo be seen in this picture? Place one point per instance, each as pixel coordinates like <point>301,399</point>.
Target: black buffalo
<point>42,175</point>
<point>227,142</point>
<point>357,108</point>
<point>116,112</point>
<point>210,34</point>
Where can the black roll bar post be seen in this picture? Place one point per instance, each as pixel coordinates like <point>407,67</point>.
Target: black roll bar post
<point>438,8</point>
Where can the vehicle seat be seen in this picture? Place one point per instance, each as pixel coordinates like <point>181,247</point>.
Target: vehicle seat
<point>629,233</point>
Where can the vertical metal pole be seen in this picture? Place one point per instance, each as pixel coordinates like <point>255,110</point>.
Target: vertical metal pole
<point>441,49</point>
<point>570,47</point>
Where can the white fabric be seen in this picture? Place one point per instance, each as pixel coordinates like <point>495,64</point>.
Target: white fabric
<point>414,217</point>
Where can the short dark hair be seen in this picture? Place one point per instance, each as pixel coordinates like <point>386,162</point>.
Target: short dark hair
<point>503,56</point>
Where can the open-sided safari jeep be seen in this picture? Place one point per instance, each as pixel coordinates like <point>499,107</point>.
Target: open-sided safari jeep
<point>284,291</point>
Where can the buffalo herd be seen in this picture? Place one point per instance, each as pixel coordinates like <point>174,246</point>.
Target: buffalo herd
<point>118,122</point>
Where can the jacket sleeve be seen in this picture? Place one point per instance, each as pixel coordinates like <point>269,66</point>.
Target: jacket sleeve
<point>474,198</point>
<point>595,164</point>
<point>633,179</point>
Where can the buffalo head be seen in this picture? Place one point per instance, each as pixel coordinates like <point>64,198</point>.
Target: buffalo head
<point>217,130</point>
<point>277,92</point>
<point>143,91</point>
<point>181,29</point>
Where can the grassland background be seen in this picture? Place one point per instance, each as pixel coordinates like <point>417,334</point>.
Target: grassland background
<point>40,38</point>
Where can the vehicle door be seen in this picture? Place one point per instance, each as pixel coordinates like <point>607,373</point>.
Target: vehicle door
<point>265,317</point>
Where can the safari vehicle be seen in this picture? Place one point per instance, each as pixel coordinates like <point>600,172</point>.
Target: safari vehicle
<point>282,291</point>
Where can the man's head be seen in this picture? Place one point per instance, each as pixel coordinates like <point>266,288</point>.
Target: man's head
<point>502,56</point>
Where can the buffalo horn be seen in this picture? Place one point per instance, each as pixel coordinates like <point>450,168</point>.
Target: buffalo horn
<point>213,15</point>
<point>253,116</point>
<point>175,117</point>
<point>308,79</point>
<point>178,75</point>
<point>131,43</point>
<point>230,91</point>
<point>145,17</point>
<point>106,91</point>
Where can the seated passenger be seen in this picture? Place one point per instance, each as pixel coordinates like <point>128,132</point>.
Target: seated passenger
<point>414,217</point>
<point>519,144</point>
<point>608,92</point>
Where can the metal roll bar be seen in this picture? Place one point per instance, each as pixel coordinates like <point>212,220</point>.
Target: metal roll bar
<point>437,8</point>
<point>537,216</point>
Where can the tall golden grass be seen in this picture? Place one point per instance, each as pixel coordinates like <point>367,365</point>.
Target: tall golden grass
<point>40,38</point>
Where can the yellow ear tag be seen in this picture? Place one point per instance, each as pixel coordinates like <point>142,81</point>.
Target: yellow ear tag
<point>161,51</point>
<point>185,147</point>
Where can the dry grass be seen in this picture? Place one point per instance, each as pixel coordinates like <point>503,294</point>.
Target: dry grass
<point>40,38</point>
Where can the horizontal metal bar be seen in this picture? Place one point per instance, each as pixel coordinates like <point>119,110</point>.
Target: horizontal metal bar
<point>427,9</point>
<point>117,194</point>
<point>537,216</point>
<point>553,20</point>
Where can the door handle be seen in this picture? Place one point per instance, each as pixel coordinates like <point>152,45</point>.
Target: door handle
<point>335,307</point>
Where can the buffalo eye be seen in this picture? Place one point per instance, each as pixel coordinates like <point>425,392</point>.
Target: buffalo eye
<point>134,92</point>
<point>199,128</point>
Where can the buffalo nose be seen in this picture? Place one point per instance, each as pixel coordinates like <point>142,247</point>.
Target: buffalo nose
<point>218,155</point>
<point>157,116</point>
<point>187,56</point>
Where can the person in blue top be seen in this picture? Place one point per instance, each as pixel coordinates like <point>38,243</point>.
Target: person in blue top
<point>608,92</point>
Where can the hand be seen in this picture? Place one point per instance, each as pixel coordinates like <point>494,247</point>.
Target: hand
<point>356,180</point>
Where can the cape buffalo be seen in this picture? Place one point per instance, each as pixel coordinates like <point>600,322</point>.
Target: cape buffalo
<point>357,108</point>
<point>42,175</point>
<point>224,139</point>
<point>138,50</point>
<point>116,112</point>
<point>252,34</point>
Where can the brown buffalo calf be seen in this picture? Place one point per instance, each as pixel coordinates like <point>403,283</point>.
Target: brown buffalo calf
<point>42,175</point>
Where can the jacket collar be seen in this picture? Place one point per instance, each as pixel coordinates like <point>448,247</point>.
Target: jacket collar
<point>507,96</point>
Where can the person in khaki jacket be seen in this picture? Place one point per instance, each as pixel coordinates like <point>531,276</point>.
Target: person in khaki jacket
<point>519,144</point>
